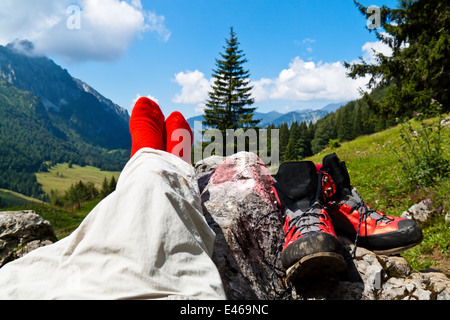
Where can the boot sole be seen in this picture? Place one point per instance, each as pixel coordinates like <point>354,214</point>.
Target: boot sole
<point>394,251</point>
<point>321,263</point>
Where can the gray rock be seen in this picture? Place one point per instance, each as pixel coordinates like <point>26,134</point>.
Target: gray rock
<point>418,212</point>
<point>235,196</point>
<point>22,232</point>
<point>446,122</point>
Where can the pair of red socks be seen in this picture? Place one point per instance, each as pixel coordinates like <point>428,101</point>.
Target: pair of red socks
<point>149,129</point>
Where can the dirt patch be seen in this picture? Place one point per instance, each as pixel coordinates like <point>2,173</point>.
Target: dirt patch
<point>441,260</point>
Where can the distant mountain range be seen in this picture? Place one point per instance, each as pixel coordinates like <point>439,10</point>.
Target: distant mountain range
<point>276,118</point>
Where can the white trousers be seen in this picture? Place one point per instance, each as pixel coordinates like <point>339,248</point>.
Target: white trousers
<point>147,240</point>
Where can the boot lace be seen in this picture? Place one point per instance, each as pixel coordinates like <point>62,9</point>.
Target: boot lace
<point>365,212</point>
<point>307,221</point>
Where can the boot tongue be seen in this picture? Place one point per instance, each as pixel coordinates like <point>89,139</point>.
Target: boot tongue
<point>339,174</point>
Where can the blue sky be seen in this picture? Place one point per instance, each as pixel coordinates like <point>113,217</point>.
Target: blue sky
<point>166,49</point>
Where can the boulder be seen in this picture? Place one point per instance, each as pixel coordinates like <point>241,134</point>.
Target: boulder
<point>239,207</point>
<point>418,212</point>
<point>237,204</point>
<point>446,122</point>
<point>21,232</point>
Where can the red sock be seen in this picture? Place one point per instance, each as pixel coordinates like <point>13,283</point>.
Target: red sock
<point>178,136</point>
<point>146,126</point>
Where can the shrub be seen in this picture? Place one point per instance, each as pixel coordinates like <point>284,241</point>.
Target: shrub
<point>421,154</point>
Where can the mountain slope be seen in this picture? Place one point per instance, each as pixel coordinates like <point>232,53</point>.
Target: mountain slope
<point>68,101</point>
<point>48,117</point>
<point>299,117</point>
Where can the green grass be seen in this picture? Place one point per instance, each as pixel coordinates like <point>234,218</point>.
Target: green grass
<point>375,171</point>
<point>61,177</point>
<point>12,199</point>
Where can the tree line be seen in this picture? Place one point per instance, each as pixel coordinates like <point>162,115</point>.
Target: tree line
<point>82,192</point>
<point>301,140</point>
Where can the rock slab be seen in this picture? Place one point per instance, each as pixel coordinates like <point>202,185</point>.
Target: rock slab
<point>22,232</point>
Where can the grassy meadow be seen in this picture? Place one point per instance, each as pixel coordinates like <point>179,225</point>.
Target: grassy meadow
<point>61,176</point>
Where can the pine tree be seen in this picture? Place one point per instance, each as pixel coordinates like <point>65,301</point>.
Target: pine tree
<point>418,32</point>
<point>112,184</point>
<point>284,139</point>
<point>105,188</point>
<point>228,106</point>
<point>296,145</point>
<point>322,135</point>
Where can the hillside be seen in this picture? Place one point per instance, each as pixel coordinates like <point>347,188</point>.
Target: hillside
<point>69,102</point>
<point>48,117</point>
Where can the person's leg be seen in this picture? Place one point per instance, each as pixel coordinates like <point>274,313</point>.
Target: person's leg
<point>148,239</point>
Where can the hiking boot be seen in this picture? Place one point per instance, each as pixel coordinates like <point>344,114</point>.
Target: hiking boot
<point>311,246</point>
<point>353,218</point>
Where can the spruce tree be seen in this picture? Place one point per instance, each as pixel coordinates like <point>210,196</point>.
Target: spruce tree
<point>418,33</point>
<point>229,103</point>
<point>284,139</point>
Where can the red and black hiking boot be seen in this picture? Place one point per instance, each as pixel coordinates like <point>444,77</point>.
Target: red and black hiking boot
<point>311,246</point>
<point>351,217</point>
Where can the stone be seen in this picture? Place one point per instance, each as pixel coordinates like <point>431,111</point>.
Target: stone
<point>21,232</point>
<point>238,206</point>
<point>418,212</point>
<point>446,122</point>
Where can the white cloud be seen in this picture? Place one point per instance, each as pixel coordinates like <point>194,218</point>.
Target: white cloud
<point>103,30</point>
<point>138,96</point>
<point>194,87</point>
<point>302,81</point>
<point>156,24</point>
<point>371,48</point>
<point>308,81</point>
<point>308,40</point>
